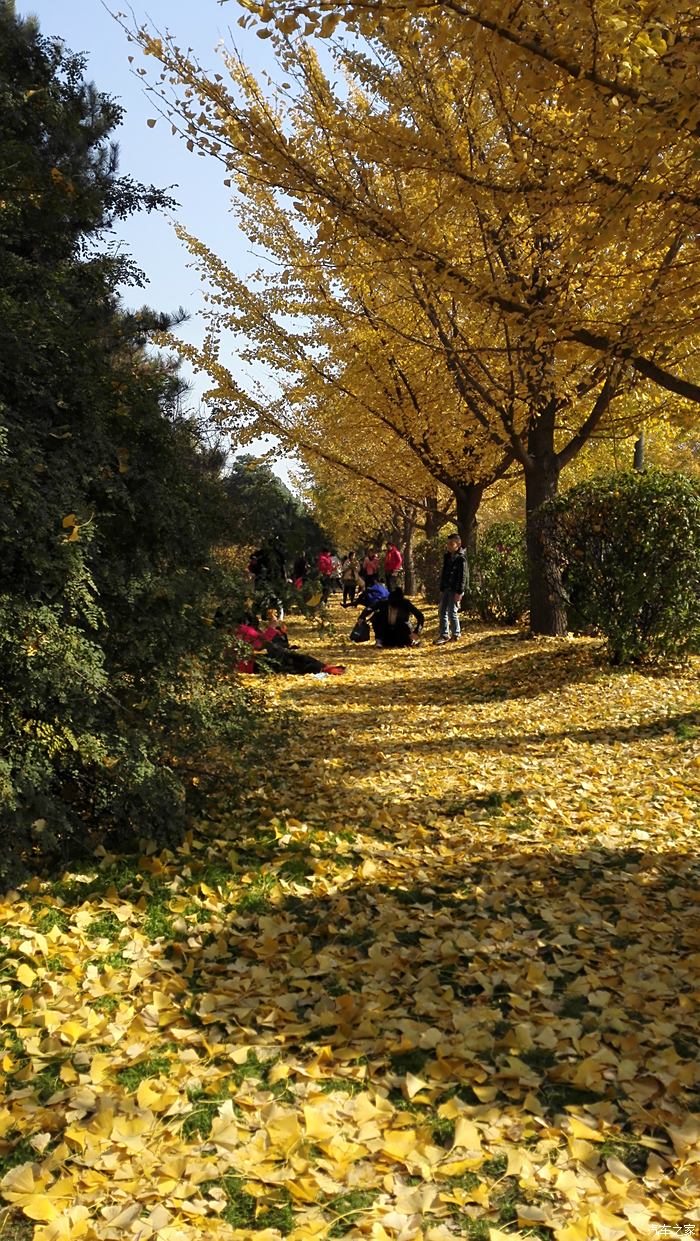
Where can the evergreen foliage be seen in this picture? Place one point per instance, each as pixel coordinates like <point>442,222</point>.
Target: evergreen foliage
<point>631,546</point>
<point>109,506</point>
<point>263,511</point>
<point>499,580</point>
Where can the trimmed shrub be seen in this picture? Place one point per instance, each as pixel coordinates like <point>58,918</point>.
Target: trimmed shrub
<point>427,562</point>
<point>630,544</point>
<point>499,580</point>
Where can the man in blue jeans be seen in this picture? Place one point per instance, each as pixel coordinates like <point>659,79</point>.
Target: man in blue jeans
<point>454,580</point>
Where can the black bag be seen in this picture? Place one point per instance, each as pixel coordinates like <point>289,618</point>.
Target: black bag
<point>360,632</point>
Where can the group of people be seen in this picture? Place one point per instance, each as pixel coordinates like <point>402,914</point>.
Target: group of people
<point>357,574</point>
<point>386,612</point>
<point>396,621</point>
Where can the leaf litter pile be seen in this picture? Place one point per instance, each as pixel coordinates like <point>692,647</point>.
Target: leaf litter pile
<point>433,973</point>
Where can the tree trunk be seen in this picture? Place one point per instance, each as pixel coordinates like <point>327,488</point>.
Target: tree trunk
<point>547,606</point>
<point>409,575</point>
<point>468,499</point>
<point>639,452</point>
<point>433,521</point>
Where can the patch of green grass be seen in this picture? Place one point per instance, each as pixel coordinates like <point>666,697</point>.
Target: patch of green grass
<point>279,1215</point>
<point>556,1096</point>
<point>51,917</point>
<point>347,1207</point>
<point>106,926</point>
<point>506,1199</point>
<point>466,1180</point>
<point>496,1167</point>
<point>538,1058</point>
<point>524,823</point>
<point>152,1066</point>
<point>115,960</point>
<point>412,1061</point>
<point>123,876</point>
<point>205,1106</point>
<point>687,732</point>
<point>20,1152</point>
<point>573,1006</point>
<point>631,1153</point>
<point>252,1067</point>
<point>48,1082</point>
<point>157,922</point>
<point>443,1132</point>
<point>239,1211</point>
<point>200,1119</point>
<point>297,865</point>
<point>474,1229</point>
<point>56,964</point>
<point>256,898</point>
<point>216,874</point>
<point>347,1085</point>
<point>15,1227</point>
<point>105,1004</point>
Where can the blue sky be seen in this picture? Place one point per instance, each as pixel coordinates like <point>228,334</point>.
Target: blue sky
<point>154,156</point>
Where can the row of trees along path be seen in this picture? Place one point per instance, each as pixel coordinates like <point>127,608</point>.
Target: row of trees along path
<point>482,249</point>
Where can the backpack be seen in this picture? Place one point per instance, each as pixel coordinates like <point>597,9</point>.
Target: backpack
<point>361,632</point>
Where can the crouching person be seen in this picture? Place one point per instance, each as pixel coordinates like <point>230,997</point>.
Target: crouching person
<point>391,621</point>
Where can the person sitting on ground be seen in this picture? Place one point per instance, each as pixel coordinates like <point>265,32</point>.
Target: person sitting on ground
<point>270,649</point>
<point>369,599</point>
<point>391,621</point>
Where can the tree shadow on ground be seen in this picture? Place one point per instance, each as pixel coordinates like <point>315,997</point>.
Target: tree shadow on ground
<point>573,976</point>
<point>456,743</point>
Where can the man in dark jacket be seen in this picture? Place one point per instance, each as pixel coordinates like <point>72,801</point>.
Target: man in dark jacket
<point>454,580</point>
<point>391,621</point>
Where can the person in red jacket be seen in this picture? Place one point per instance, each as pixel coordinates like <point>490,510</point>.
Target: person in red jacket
<point>393,563</point>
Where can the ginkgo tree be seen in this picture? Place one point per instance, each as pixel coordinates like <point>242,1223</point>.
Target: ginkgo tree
<point>447,169</point>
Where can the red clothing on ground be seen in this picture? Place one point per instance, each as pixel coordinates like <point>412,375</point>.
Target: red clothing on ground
<point>252,637</point>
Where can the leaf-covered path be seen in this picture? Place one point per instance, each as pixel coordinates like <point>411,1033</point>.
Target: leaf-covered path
<point>436,974</point>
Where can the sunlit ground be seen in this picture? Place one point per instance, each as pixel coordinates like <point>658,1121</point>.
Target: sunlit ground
<point>432,971</point>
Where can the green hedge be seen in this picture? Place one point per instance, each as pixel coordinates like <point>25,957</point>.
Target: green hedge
<point>499,579</point>
<point>630,546</point>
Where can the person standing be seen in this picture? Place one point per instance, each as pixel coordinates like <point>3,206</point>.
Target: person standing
<point>300,570</point>
<point>335,576</point>
<point>350,572</point>
<point>325,570</point>
<point>370,567</point>
<point>393,564</point>
<point>454,580</point>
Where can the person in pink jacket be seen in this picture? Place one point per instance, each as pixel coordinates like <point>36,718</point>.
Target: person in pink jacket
<point>370,567</point>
